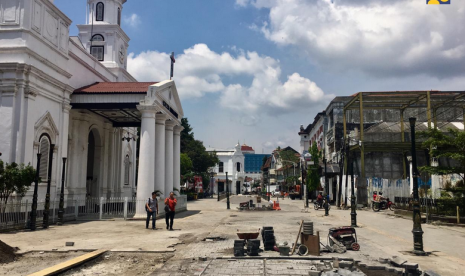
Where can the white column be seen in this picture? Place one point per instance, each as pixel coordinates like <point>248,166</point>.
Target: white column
<point>146,156</point>
<point>160,154</point>
<point>177,157</point>
<point>169,156</point>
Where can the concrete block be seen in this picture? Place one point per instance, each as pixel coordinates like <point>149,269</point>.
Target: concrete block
<point>397,261</point>
<point>410,266</point>
<point>376,267</point>
<point>69,243</point>
<point>346,264</point>
<point>383,260</point>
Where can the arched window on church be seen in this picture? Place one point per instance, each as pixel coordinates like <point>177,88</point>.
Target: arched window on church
<point>99,11</point>
<point>119,17</point>
<point>97,37</point>
<point>127,165</point>
<point>97,51</point>
<point>238,166</point>
<point>44,150</point>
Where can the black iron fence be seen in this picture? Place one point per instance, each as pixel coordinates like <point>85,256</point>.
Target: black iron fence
<point>434,206</point>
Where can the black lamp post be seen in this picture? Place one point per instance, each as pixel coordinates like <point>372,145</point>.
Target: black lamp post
<point>34,197</point>
<point>353,201</point>
<point>61,210</point>
<point>49,182</point>
<point>417,231</point>
<point>227,192</point>
<point>326,187</point>
<point>246,187</point>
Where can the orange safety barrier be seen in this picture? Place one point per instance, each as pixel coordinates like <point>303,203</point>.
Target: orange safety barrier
<point>276,206</point>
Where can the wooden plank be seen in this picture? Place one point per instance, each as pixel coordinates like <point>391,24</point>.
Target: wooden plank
<point>298,235</point>
<point>54,270</point>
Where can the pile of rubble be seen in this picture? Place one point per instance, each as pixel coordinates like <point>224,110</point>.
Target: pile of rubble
<point>7,253</point>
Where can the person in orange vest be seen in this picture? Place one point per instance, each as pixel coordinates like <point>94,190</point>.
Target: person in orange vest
<point>170,204</point>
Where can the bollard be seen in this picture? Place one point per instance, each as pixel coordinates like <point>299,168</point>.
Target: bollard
<point>125,208</point>
<point>76,209</point>
<point>101,208</point>
<point>458,215</point>
<point>26,217</point>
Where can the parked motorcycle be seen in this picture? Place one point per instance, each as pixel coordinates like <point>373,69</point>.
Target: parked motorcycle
<point>383,205</point>
<point>317,205</point>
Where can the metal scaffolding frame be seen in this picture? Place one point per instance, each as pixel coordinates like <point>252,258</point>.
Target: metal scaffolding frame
<point>432,100</point>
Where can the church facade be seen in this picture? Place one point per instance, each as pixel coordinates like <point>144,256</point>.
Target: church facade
<point>72,100</point>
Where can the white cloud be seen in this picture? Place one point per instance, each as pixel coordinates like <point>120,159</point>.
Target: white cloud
<point>133,20</point>
<point>199,71</point>
<point>383,38</point>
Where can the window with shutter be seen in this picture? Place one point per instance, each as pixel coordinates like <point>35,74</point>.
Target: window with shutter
<point>45,151</point>
<point>97,52</point>
<point>221,167</point>
<point>126,170</point>
<point>99,11</point>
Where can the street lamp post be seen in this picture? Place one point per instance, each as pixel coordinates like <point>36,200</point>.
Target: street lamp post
<point>326,187</point>
<point>45,222</point>
<point>353,201</point>
<point>34,197</point>
<point>227,192</point>
<point>246,187</point>
<point>61,210</point>
<point>417,231</point>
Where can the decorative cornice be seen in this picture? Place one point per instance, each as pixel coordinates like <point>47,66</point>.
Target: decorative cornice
<point>26,50</point>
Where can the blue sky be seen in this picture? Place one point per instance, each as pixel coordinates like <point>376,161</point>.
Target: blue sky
<point>254,70</point>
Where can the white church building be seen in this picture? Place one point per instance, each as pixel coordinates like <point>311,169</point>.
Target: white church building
<point>71,97</point>
<point>231,162</point>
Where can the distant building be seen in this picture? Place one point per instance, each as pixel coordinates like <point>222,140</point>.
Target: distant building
<point>240,162</point>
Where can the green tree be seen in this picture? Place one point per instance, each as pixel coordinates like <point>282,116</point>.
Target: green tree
<point>186,134</point>
<point>201,159</point>
<point>289,160</point>
<point>313,178</point>
<point>450,145</point>
<point>15,178</point>
<point>186,164</point>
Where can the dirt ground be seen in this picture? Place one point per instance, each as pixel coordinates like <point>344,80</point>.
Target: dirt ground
<point>114,263</point>
<point>33,262</point>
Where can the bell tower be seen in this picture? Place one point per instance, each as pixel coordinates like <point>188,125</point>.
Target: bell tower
<point>103,37</point>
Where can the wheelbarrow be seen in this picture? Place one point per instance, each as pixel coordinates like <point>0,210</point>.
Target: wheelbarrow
<point>247,235</point>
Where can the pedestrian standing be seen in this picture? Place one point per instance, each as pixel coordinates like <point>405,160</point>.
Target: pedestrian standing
<point>152,209</point>
<point>170,204</point>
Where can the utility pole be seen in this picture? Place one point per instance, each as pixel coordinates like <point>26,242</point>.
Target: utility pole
<point>417,231</point>
<point>227,192</point>
<point>347,170</point>
<point>353,201</point>
<point>325,126</point>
